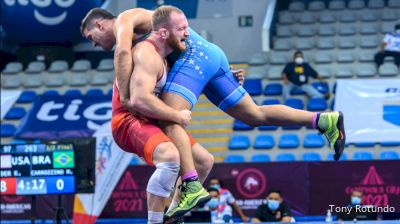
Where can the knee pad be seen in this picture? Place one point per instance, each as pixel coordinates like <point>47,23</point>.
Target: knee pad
<point>163,180</point>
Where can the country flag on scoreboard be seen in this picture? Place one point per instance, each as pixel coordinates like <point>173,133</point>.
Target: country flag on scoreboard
<point>5,162</point>
<point>63,159</point>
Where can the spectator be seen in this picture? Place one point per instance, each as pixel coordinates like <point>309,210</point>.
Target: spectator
<point>356,200</point>
<point>390,47</point>
<point>295,75</point>
<point>220,212</point>
<point>276,210</point>
<point>227,197</point>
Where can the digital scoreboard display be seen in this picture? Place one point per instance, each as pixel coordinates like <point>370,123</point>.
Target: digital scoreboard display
<point>36,169</point>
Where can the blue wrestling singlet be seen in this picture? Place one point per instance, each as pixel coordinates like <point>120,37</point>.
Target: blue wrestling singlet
<point>203,67</point>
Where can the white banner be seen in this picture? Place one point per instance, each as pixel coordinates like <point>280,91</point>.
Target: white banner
<point>8,98</point>
<point>371,109</point>
<point>111,162</point>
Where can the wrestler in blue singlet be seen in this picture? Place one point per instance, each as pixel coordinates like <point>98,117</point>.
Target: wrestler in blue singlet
<point>203,67</point>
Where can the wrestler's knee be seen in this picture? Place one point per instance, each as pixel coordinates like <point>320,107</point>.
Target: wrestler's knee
<point>166,152</point>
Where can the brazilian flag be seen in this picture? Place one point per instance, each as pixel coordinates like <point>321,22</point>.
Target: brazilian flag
<point>63,159</point>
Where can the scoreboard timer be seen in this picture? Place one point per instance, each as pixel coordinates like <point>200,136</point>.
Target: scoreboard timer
<point>34,169</point>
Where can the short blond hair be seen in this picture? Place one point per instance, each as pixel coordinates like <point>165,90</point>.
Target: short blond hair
<point>162,15</point>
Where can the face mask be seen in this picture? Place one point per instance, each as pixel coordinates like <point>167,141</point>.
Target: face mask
<point>355,200</point>
<point>213,203</point>
<point>299,61</point>
<point>273,204</point>
<point>216,186</point>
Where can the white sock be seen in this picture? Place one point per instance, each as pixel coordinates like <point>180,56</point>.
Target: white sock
<point>172,205</point>
<point>155,217</point>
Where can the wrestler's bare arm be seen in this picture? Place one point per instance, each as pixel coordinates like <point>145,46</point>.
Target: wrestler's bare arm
<point>148,65</point>
<point>126,23</point>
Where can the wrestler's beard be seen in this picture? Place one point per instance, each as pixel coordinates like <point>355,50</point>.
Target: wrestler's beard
<point>175,44</point>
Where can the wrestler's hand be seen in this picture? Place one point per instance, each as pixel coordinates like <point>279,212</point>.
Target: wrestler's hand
<point>239,75</point>
<point>184,117</point>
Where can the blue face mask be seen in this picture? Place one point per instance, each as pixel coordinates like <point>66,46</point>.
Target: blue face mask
<point>213,203</point>
<point>216,186</point>
<point>273,204</point>
<point>355,200</point>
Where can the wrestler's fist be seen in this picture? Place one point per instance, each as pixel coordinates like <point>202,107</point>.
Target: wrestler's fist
<point>239,74</point>
<point>184,117</point>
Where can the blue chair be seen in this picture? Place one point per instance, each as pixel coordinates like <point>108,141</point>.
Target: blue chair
<point>332,104</point>
<point>273,89</point>
<point>361,155</point>
<point>311,156</point>
<point>289,141</point>
<point>239,142</point>
<point>50,93</point>
<point>18,142</point>
<point>260,158</point>
<point>297,91</point>
<point>317,104</point>
<point>264,142</point>
<point>240,126</point>
<point>271,102</point>
<point>322,87</point>
<point>313,141</point>
<point>329,157</point>
<point>285,157</point>
<point>27,97</point>
<point>364,144</point>
<point>334,88</point>
<point>7,130</point>
<point>390,144</point>
<point>234,159</point>
<point>73,92</point>
<point>253,86</point>
<point>95,93</point>
<point>387,155</point>
<point>294,103</point>
<point>15,113</point>
<point>110,93</point>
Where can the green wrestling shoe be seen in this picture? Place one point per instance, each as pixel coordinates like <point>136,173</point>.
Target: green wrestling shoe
<point>193,195</point>
<point>331,125</point>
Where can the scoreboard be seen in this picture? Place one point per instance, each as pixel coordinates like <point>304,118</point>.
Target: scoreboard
<point>34,169</point>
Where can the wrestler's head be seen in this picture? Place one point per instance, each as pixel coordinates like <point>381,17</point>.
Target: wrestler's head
<point>172,25</point>
<point>97,27</point>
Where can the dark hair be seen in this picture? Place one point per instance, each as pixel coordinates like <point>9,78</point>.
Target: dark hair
<point>274,191</point>
<point>161,16</point>
<point>210,189</point>
<point>96,13</point>
<point>357,190</point>
<point>297,52</point>
<point>397,26</point>
<point>219,181</point>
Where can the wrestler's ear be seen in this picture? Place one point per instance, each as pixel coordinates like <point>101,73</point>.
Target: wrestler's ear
<point>98,24</point>
<point>163,33</point>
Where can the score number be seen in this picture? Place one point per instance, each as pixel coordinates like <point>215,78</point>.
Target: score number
<point>38,185</point>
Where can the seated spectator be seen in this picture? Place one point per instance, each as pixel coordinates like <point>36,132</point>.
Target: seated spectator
<point>356,200</point>
<point>220,212</point>
<point>276,210</point>
<point>390,47</point>
<point>295,75</point>
<point>226,197</point>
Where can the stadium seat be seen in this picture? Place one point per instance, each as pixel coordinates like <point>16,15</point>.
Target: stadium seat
<point>34,80</point>
<point>55,80</point>
<point>12,68</point>
<point>260,158</point>
<point>283,44</point>
<point>256,72</point>
<point>322,87</point>
<point>241,126</point>
<point>324,71</point>
<point>390,14</point>
<point>388,69</point>
<point>311,156</point>
<point>10,82</point>
<point>369,42</point>
<point>368,16</point>
<point>347,16</point>
<point>278,58</point>
<point>305,43</point>
<point>376,4</point>
<point>73,92</point>
<point>288,141</point>
<point>307,18</point>
<point>356,4</point>
<point>393,4</point>
<point>284,31</point>
<point>239,142</point>
<point>366,70</point>
<point>35,67</point>
<point>51,93</point>
<point>325,43</point>
<point>326,17</point>
<point>387,155</point>
<point>346,43</point>
<point>390,144</point>
<point>258,59</point>
<point>317,104</point>
<point>347,29</point>
<point>326,30</point>
<point>15,113</point>
<point>344,72</point>
<point>369,28</point>
<point>313,141</point>
<point>294,103</point>
<point>95,93</point>
<point>337,5</point>
<point>329,157</point>
<point>285,157</point>
<point>78,78</point>
<point>366,55</point>
<point>253,86</point>
<point>264,142</point>
<point>364,144</point>
<point>82,65</point>
<point>361,155</point>
<point>387,26</point>
<point>234,159</point>
<point>273,89</point>
<point>345,57</point>
<point>297,91</point>
<point>316,6</point>
<point>323,57</point>
<point>27,97</point>
<point>106,65</point>
<point>58,67</point>
<point>7,130</point>
<point>99,79</point>
<point>296,6</point>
